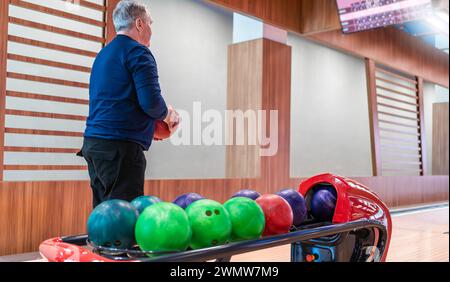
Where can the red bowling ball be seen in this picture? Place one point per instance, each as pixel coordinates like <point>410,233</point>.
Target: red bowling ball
<point>162,131</point>
<point>278,214</point>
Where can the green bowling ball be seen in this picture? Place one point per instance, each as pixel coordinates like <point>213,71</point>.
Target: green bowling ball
<point>163,227</point>
<point>210,222</point>
<point>247,218</point>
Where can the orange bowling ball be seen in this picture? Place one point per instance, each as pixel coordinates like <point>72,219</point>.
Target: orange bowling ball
<point>162,131</point>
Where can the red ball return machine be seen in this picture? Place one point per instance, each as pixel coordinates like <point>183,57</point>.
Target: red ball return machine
<point>359,232</point>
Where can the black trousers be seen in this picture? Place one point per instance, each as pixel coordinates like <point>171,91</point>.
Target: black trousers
<point>116,169</point>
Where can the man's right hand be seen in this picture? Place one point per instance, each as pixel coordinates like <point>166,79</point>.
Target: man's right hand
<point>172,119</point>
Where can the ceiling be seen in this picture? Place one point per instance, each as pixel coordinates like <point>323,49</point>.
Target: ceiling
<point>434,30</point>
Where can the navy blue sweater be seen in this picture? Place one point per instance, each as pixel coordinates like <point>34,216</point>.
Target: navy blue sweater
<point>124,95</point>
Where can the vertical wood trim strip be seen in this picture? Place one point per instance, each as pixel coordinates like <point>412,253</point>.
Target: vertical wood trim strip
<point>422,131</point>
<point>3,59</point>
<point>110,32</point>
<point>373,117</point>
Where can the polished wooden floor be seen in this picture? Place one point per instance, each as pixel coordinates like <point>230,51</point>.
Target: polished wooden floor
<point>418,236</point>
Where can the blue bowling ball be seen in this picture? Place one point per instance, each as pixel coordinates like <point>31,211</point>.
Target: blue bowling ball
<point>247,193</point>
<point>111,224</point>
<point>185,200</point>
<point>323,204</point>
<point>143,202</point>
<point>297,203</point>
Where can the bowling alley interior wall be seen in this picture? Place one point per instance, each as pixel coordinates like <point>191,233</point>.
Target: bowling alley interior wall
<point>318,80</point>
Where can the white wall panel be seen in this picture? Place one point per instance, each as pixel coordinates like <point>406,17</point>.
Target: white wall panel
<point>44,123</point>
<point>98,2</point>
<point>44,18</point>
<point>43,106</point>
<point>329,112</point>
<point>43,141</point>
<point>46,89</point>
<point>54,38</point>
<point>46,71</point>
<point>50,55</point>
<point>33,175</point>
<point>26,158</point>
<point>62,6</point>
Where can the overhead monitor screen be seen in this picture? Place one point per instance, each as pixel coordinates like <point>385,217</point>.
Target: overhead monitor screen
<point>357,15</point>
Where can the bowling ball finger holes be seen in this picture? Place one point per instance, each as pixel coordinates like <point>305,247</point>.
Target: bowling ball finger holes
<point>209,213</point>
<point>117,243</point>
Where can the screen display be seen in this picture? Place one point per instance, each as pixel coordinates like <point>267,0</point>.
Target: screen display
<point>357,15</point>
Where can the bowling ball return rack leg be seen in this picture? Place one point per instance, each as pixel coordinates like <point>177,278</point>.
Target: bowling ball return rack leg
<point>356,241</point>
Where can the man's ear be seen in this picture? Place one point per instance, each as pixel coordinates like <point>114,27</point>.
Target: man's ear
<point>139,24</point>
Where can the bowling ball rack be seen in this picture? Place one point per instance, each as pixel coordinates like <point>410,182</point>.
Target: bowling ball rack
<point>355,241</point>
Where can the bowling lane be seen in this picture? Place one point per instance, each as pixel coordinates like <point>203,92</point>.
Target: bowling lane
<point>420,236</point>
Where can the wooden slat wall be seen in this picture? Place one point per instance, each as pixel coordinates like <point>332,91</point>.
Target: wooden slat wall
<point>440,139</point>
<point>397,122</point>
<point>41,71</point>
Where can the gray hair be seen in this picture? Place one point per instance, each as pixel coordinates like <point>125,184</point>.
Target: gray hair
<point>127,12</point>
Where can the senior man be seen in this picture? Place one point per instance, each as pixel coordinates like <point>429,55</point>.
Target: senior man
<point>125,102</point>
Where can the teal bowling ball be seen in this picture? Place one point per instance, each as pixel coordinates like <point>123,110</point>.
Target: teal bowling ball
<point>143,202</point>
<point>111,224</point>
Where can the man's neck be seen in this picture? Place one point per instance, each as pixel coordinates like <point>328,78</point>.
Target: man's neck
<point>129,34</point>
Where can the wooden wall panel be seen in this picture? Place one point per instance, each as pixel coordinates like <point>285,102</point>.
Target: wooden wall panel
<point>301,16</point>
<point>373,117</point>
<point>421,123</point>
<point>244,92</point>
<point>283,14</point>
<point>31,212</point>
<point>399,191</point>
<point>388,46</point>
<point>260,79</point>
<point>3,60</point>
<point>393,48</point>
<point>440,139</point>
<point>110,32</point>
<point>319,16</point>
<point>275,170</point>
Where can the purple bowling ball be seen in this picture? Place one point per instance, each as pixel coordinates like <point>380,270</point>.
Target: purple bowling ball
<point>297,203</point>
<point>247,193</point>
<point>185,200</point>
<point>323,204</point>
